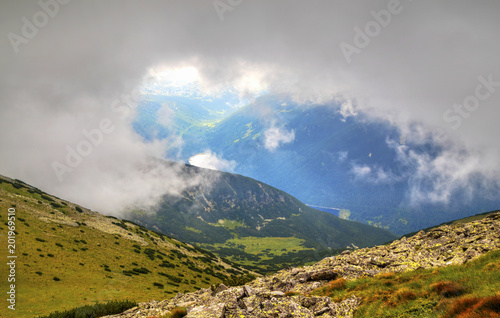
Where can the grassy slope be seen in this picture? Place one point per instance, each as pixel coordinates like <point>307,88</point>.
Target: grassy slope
<point>428,293</point>
<point>89,257</point>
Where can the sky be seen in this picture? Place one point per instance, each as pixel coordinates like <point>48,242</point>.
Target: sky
<point>70,72</point>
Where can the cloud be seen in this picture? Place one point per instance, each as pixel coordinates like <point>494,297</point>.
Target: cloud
<point>439,177</point>
<point>375,175</point>
<point>342,155</point>
<point>212,161</point>
<point>347,109</point>
<point>67,73</point>
<point>275,137</point>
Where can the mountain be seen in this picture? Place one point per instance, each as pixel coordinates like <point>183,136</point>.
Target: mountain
<point>342,163</point>
<point>67,256</point>
<point>252,223</point>
<point>449,271</point>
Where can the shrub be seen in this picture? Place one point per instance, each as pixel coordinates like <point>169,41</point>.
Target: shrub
<point>47,198</point>
<point>78,209</point>
<point>98,310</point>
<point>56,278</point>
<point>474,307</point>
<point>158,285</point>
<point>448,289</point>
<point>56,205</point>
<point>337,284</point>
<point>141,270</point>
<point>177,313</point>
<point>38,273</point>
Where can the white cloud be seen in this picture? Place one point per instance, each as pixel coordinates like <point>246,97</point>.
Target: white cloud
<point>375,174</point>
<point>347,109</point>
<point>166,114</point>
<point>212,161</point>
<point>343,155</point>
<point>275,137</point>
<point>437,178</point>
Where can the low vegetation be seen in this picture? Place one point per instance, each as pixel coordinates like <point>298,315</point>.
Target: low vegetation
<point>69,258</point>
<point>94,311</point>
<point>452,291</point>
<point>176,313</point>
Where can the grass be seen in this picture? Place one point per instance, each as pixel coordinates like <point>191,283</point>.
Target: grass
<point>466,291</point>
<point>267,245</point>
<point>176,313</point>
<point>265,248</point>
<point>82,264</point>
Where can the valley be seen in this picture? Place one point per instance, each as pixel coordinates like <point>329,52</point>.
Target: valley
<point>351,163</point>
<point>254,224</point>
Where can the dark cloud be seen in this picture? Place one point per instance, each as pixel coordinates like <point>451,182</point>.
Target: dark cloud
<point>428,57</point>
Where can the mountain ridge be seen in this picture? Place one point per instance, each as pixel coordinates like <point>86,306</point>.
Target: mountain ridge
<point>225,211</point>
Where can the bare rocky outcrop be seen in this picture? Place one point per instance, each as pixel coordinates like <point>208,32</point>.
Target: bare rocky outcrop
<point>286,293</point>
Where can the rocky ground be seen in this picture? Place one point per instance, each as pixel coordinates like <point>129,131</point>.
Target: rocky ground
<point>286,293</point>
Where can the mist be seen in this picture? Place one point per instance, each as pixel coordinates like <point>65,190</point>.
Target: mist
<point>69,68</point>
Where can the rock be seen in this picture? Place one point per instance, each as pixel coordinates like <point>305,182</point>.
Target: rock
<point>220,288</point>
<point>248,291</point>
<point>213,311</point>
<point>277,294</point>
<point>303,277</point>
<point>325,274</point>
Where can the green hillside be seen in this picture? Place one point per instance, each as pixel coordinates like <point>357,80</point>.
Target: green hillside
<point>254,224</point>
<point>69,256</point>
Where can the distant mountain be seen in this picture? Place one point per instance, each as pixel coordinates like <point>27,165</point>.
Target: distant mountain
<point>69,256</point>
<point>255,224</point>
<point>350,164</point>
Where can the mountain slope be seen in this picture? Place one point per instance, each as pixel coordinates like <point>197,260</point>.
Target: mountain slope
<point>449,270</point>
<point>345,163</point>
<point>253,223</point>
<point>69,256</point>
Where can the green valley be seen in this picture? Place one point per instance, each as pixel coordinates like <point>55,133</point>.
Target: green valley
<point>252,223</point>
